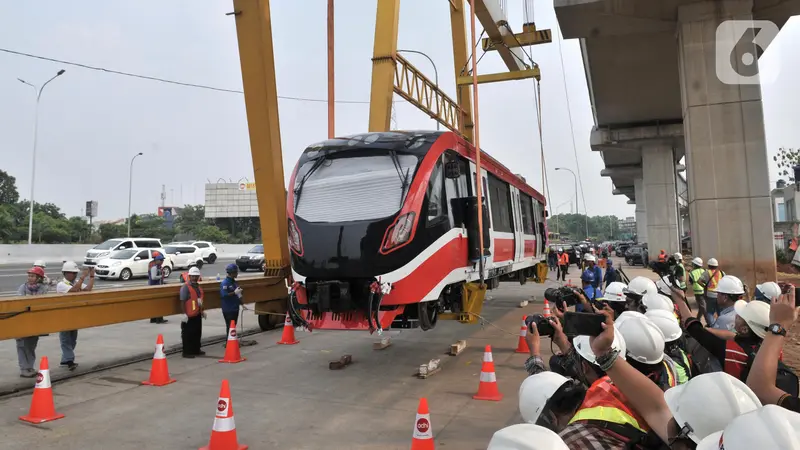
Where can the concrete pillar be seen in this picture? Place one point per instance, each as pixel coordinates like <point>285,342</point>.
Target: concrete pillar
<point>658,170</point>
<point>726,158</point>
<point>641,210</point>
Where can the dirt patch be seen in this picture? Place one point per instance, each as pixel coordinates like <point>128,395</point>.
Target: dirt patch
<point>791,348</point>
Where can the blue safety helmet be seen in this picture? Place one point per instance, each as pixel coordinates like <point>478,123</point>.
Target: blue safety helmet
<point>158,256</point>
<point>231,268</point>
<point>587,276</point>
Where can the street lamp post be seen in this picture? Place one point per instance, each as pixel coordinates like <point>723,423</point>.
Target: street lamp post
<point>35,135</point>
<point>435,71</point>
<point>586,215</point>
<point>130,191</point>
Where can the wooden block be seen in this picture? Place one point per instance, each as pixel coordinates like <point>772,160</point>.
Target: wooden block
<point>343,362</point>
<point>429,369</point>
<point>382,344</point>
<point>458,347</point>
<point>523,303</point>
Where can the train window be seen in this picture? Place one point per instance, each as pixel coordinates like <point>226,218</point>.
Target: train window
<point>437,206</point>
<point>500,196</point>
<point>526,206</point>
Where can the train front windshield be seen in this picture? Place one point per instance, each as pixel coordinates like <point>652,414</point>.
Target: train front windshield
<point>335,189</point>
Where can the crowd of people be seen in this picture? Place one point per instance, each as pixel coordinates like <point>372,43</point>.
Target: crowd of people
<point>659,375</point>
<point>75,279</point>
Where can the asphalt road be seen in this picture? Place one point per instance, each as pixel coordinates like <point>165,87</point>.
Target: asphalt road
<point>13,275</point>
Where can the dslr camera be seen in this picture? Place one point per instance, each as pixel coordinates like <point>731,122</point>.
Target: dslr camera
<point>562,297</point>
<point>542,323</point>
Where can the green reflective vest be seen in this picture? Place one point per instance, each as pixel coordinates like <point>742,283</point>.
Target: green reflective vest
<point>682,368</point>
<point>680,272</point>
<point>696,286</point>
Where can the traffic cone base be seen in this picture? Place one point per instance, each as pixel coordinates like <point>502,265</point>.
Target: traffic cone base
<point>522,345</point>
<point>42,407</point>
<point>287,337</point>
<point>546,311</point>
<point>422,438</point>
<point>223,433</point>
<point>487,388</point>
<point>159,372</point>
<point>232,353</point>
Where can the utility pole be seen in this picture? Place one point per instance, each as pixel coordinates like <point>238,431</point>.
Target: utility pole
<point>331,94</point>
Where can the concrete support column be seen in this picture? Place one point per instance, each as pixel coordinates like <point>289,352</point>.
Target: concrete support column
<point>658,170</point>
<point>729,199</point>
<point>641,210</point>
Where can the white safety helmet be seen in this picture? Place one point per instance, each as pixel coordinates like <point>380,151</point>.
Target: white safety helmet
<point>708,402</point>
<point>640,285</point>
<point>644,340</point>
<point>589,258</point>
<point>584,347</point>
<point>657,301</point>
<point>194,271</point>
<point>731,285</point>
<point>663,286</point>
<point>69,266</point>
<point>40,263</point>
<point>615,292</point>
<point>678,256</point>
<point>770,426</point>
<point>535,391</point>
<point>697,261</point>
<point>666,322</point>
<point>712,262</point>
<point>756,314</point>
<point>526,436</point>
<point>625,315</point>
<point>767,291</point>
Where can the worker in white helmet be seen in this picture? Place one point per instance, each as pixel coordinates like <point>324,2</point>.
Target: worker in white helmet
<point>71,283</point>
<point>673,344</point>
<point>645,350</point>
<point>731,349</point>
<point>765,292</point>
<point>709,280</point>
<point>698,289</point>
<point>526,436</point>
<point>769,427</point>
<point>636,290</point>
<point>47,280</point>
<point>550,400</point>
<point>763,378</point>
<point>614,296</point>
<point>678,270</point>
<point>683,415</point>
<point>591,265</point>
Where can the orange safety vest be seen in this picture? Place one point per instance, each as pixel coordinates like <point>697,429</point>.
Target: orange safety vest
<point>563,259</point>
<point>662,257</point>
<point>604,402</point>
<point>713,280</point>
<point>192,306</point>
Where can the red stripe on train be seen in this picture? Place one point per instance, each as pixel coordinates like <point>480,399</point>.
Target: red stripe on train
<point>503,249</point>
<point>530,247</point>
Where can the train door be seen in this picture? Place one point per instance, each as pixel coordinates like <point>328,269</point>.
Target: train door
<point>488,223</point>
<point>500,202</point>
<point>458,192</point>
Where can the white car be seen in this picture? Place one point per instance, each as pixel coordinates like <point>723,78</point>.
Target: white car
<point>184,255</point>
<point>104,250</point>
<point>126,264</point>
<point>207,249</point>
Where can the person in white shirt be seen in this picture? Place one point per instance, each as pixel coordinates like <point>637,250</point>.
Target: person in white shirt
<point>72,283</point>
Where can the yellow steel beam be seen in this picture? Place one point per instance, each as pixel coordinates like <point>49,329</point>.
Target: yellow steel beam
<point>383,65</point>
<point>524,39</point>
<point>423,93</point>
<point>504,76</point>
<point>254,32</point>
<point>463,95</point>
<point>42,314</point>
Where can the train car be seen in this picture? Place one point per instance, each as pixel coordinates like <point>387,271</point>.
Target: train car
<point>383,229</point>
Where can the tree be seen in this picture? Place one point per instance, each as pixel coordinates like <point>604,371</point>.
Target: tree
<point>112,230</point>
<point>8,189</point>
<point>787,158</point>
<point>211,233</point>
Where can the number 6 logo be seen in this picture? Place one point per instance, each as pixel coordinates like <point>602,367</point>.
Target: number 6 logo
<point>739,44</point>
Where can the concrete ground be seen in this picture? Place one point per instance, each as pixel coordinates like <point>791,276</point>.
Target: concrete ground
<point>285,396</point>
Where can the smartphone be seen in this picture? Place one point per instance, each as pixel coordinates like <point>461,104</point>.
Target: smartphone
<point>589,324</point>
<point>797,297</point>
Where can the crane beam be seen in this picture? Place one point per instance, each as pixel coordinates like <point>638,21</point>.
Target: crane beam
<point>423,93</point>
<point>529,36</point>
<point>458,28</point>
<point>503,76</point>
<point>495,22</point>
<point>384,54</point>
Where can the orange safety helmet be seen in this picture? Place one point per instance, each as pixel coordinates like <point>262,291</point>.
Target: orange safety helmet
<point>37,271</point>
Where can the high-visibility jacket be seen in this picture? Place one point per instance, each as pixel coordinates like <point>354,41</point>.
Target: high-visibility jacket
<point>563,259</point>
<point>680,276</point>
<point>192,306</point>
<point>735,359</point>
<point>683,368</point>
<point>696,286</point>
<point>604,402</point>
<point>713,280</point>
<point>662,257</point>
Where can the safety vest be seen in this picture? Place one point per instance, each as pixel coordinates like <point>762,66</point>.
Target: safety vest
<point>670,370</point>
<point>604,402</point>
<point>662,257</point>
<point>696,286</point>
<point>680,276</point>
<point>682,367</point>
<point>563,259</point>
<point>192,306</point>
<point>713,280</point>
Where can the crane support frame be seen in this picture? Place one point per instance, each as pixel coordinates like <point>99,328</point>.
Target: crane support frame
<point>502,76</point>
<point>458,29</point>
<point>423,93</point>
<point>529,36</point>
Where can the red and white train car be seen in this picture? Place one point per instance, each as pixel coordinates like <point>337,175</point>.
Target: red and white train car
<point>383,228</point>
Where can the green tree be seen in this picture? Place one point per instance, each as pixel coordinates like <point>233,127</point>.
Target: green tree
<point>8,189</point>
<point>112,230</point>
<point>787,158</point>
<point>211,233</point>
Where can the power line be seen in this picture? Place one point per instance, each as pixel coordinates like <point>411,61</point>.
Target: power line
<point>164,80</point>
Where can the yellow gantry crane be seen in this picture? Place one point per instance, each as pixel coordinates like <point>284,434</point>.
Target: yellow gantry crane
<point>34,315</point>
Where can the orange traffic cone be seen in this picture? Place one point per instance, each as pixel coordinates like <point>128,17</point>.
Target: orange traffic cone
<point>223,433</point>
<point>159,372</point>
<point>42,407</point>
<point>569,282</point>
<point>546,312</point>
<point>522,345</point>
<point>423,430</point>
<point>287,338</point>
<point>232,354</point>
<point>487,389</point>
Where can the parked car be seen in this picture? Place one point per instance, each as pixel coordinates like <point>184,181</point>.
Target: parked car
<point>184,256</point>
<point>635,255</point>
<point>130,263</point>
<point>102,251</point>
<point>622,248</point>
<point>253,259</point>
<point>206,248</point>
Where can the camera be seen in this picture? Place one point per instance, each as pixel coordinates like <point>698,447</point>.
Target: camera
<point>543,324</point>
<point>562,297</point>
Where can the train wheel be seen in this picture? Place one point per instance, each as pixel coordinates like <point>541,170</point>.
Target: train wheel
<point>428,315</point>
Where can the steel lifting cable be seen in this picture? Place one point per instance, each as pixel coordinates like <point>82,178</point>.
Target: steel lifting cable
<point>477,139</point>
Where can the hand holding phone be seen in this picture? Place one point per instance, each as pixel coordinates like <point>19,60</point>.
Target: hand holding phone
<point>589,324</point>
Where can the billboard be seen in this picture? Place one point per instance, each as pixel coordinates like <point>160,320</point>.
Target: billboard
<point>230,200</point>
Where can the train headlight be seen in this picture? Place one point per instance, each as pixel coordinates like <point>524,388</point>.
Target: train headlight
<point>295,240</point>
<point>399,233</point>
